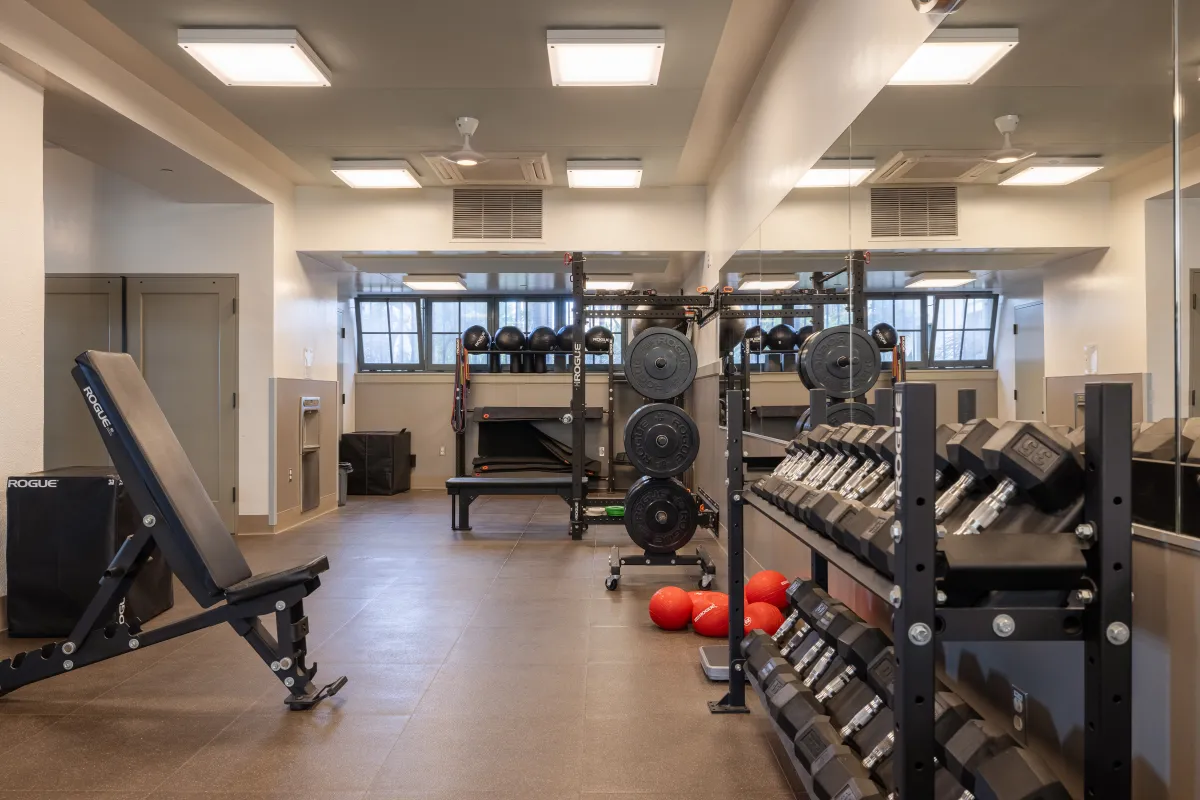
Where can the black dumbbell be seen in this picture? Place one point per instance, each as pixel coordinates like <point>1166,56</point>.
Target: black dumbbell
<point>944,468</point>
<point>1017,774</point>
<point>966,452</point>
<point>944,785</point>
<point>795,452</point>
<point>853,649</point>
<point>836,771</point>
<point>790,704</point>
<point>848,444</point>
<point>870,461</point>
<point>802,652</point>
<point>882,449</point>
<point>816,456</point>
<point>803,596</point>
<point>1031,459</point>
<point>853,707</point>
<point>878,739</point>
<point>973,744</point>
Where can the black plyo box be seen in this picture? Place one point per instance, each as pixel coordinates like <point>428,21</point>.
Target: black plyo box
<point>381,461</point>
<point>64,527</point>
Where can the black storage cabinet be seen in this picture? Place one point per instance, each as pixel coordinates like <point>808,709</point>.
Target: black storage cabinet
<point>381,461</point>
<point>64,527</point>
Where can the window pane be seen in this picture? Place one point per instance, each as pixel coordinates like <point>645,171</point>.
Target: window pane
<point>374,317</point>
<point>837,315</point>
<point>441,348</point>
<point>975,345</point>
<point>880,311</point>
<point>907,314</point>
<point>473,313</point>
<point>539,313</point>
<point>403,316</point>
<point>444,317</point>
<point>404,349</point>
<point>375,348</point>
<point>979,312</point>
<point>951,312</point>
<point>512,312</point>
<point>912,345</point>
<point>947,346</point>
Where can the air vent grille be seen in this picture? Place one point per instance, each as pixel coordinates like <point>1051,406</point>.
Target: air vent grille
<point>489,214</point>
<point>919,212</point>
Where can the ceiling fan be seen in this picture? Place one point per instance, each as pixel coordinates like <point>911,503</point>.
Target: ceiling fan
<point>1007,125</point>
<point>466,156</point>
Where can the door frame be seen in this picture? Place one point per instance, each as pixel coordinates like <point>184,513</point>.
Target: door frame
<point>1016,360</point>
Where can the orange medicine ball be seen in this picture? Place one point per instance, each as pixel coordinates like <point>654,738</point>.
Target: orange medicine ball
<point>671,608</point>
<point>712,620</point>
<point>767,586</point>
<point>764,617</point>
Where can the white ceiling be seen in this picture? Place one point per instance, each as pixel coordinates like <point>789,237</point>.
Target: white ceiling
<point>402,72</point>
<point>1088,78</point>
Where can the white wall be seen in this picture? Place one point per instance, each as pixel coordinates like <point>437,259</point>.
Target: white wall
<point>329,219</point>
<point>101,223</point>
<point>22,286</point>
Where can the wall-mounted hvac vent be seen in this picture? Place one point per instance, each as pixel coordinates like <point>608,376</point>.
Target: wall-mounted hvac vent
<point>917,212</point>
<point>497,214</point>
<point>500,169</point>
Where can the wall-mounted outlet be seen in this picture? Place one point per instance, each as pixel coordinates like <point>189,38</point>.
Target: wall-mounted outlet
<point>291,475</point>
<point>602,452</point>
<point>442,450</point>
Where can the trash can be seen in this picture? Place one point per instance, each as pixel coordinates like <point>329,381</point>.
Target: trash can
<point>344,470</point>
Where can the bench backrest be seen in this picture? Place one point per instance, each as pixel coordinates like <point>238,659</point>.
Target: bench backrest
<point>159,476</point>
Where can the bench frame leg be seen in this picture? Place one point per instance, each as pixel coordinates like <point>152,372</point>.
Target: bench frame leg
<point>462,502</point>
<point>96,639</point>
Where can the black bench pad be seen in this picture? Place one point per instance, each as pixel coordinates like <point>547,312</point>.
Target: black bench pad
<point>508,485</point>
<point>258,585</point>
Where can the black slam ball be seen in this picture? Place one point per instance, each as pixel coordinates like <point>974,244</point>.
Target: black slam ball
<point>730,333</point>
<point>510,338</point>
<point>782,338</point>
<point>597,339</point>
<point>802,335</point>
<point>885,336</point>
<point>476,337</point>
<point>543,338</point>
<point>636,326</point>
<point>566,337</point>
<point>754,339</point>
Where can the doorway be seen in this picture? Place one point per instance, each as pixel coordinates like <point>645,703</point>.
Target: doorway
<point>1030,362</point>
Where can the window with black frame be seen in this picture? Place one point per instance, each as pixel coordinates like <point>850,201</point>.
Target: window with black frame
<point>963,328</point>
<point>906,314</point>
<point>593,317</point>
<point>447,320</point>
<point>526,314</point>
<point>389,334</point>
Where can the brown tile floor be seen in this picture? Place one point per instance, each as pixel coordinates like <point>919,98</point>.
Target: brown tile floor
<point>484,664</point>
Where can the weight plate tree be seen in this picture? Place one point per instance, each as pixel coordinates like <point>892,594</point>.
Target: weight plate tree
<point>661,440</point>
<point>661,363</point>
<point>843,360</point>
<point>660,514</point>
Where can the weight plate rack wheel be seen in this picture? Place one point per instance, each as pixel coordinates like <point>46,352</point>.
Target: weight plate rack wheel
<point>660,514</point>
<point>842,413</point>
<point>842,360</point>
<point>661,440</point>
<point>661,363</point>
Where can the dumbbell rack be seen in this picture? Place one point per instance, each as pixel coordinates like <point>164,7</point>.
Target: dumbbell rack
<point>1103,626</point>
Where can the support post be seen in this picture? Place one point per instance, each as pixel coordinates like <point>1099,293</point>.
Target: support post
<point>885,409</point>
<point>857,270</point>
<point>1108,621</point>
<point>734,701</point>
<point>612,420</point>
<point>966,405</point>
<point>578,403</point>
<point>818,406</point>
<point>913,625</point>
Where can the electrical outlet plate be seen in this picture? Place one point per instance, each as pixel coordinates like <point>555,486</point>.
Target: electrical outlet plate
<point>1020,707</point>
<point>602,452</point>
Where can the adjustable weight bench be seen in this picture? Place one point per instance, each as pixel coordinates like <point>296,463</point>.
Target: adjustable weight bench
<point>181,521</point>
<point>464,489</point>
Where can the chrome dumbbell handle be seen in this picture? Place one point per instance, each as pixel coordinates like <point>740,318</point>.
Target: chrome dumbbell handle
<point>860,720</point>
<point>989,509</point>
<point>953,496</point>
<point>860,475</point>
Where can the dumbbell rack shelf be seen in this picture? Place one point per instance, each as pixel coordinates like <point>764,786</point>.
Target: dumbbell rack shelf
<point>1103,626</point>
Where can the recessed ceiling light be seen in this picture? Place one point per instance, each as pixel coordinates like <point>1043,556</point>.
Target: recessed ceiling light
<point>610,283</point>
<point>1052,172</point>
<point>255,57</point>
<point>377,174</point>
<point>938,280</point>
<point>836,172</point>
<point>604,174</point>
<point>766,283</point>
<point>605,57</point>
<point>435,283</point>
<point>955,56</point>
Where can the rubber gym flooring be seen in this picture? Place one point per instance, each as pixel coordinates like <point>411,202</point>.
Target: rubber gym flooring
<point>484,664</point>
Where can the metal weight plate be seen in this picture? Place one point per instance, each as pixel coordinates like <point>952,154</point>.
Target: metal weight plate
<point>661,440</point>
<point>660,363</point>
<point>858,413</point>
<point>843,360</point>
<point>804,379</point>
<point>660,514</point>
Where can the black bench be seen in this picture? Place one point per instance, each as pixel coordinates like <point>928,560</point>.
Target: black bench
<point>464,490</point>
<point>179,518</point>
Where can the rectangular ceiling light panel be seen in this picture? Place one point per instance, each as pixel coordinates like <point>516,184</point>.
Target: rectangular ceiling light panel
<point>767,283</point>
<point>604,174</point>
<point>435,283</point>
<point>1051,172</point>
<point>381,174</point>
<point>955,56</point>
<point>829,173</point>
<point>939,280</point>
<point>612,283</point>
<point>255,57</point>
<point>605,57</point>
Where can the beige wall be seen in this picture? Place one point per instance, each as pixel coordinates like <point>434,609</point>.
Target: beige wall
<point>287,394</point>
<point>1061,391</point>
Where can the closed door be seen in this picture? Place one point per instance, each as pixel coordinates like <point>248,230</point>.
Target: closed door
<point>1030,358</point>
<point>81,314</point>
<point>182,332</point>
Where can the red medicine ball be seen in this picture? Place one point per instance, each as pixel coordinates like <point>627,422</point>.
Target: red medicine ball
<point>712,620</point>
<point>764,617</point>
<point>702,599</point>
<point>768,586</point>
<point>671,608</point>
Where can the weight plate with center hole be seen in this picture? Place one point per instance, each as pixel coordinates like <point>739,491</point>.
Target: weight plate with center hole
<point>660,363</point>
<point>842,413</point>
<point>661,440</point>
<point>843,360</point>
<point>660,514</point>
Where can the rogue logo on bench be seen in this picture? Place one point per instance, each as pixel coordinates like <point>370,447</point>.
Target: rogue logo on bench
<point>32,483</point>
<point>100,415</point>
